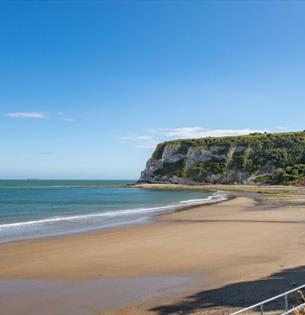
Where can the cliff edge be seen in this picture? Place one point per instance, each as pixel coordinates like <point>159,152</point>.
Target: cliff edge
<point>277,158</point>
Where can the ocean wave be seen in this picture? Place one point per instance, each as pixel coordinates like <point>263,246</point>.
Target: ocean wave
<point>216,197</point>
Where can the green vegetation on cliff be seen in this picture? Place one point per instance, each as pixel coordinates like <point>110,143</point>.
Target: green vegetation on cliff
<point>277,158</point>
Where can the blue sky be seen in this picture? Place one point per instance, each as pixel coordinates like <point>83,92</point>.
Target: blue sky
<point>88,88</point>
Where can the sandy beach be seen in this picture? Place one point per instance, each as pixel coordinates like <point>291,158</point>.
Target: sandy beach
<point>152,157</point>
<point>221,253</point>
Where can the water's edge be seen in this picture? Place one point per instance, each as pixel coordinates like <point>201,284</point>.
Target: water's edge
<point>127,217</point>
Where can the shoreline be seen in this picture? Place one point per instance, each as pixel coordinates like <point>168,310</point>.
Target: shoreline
<point>221,246</point>
<point>225,187</point>
<point>149,214</point>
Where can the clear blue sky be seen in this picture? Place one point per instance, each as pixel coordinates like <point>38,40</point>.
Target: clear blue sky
<point>88,88</point>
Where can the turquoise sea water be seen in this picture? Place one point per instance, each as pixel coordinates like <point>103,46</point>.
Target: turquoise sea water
<point>37,208</point>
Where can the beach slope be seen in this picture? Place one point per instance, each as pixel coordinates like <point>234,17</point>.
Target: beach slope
<point>215,245</point>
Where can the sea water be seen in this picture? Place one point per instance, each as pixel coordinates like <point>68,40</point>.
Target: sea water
<point>38,208</point>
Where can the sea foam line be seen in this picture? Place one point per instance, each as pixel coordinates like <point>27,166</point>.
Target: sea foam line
<point>216,197</point>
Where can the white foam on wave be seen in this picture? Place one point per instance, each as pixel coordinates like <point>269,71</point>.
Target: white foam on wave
<point>216,197</point>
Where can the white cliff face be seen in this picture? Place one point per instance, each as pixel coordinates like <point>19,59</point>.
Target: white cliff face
<point>171,155</point>
<point>188,164</point>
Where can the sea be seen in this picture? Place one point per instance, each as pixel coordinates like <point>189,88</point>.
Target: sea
<point>41,208</point>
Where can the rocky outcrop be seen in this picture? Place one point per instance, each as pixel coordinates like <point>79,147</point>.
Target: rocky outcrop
<point>256,158</point>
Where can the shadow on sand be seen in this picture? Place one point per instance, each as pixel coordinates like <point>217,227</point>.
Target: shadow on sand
<point>241,294</point>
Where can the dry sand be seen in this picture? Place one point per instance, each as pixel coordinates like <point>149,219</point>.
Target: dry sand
<point>226,248</point>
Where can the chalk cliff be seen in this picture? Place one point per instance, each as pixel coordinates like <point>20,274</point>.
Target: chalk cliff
<point>277,158</point>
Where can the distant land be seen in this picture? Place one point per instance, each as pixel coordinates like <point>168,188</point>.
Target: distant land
<point>258,158</point>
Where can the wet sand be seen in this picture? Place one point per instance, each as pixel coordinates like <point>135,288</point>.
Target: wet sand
<point>81,297</point>
<point>214,246</point>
